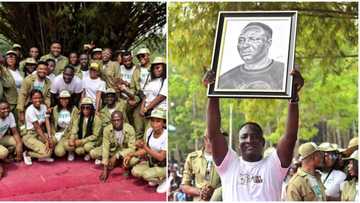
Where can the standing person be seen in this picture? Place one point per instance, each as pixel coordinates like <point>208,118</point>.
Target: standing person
<point>350,188</point>
<point>7,127</point>
<point>94,86</point>
<point>84,135</point>
<point>83,70</point>
<point>110,69</point>
<point>127,68</point>
<point>155,90</point>
<point>330,176</point>
<point>306,184</point>
<point>33,53</point>
<point>96,55</point>
<point>38,81</point>
<point>252,177</point>
<point>73,59</point>
<point>154,149</point>
<point>200,178</point>
<point>118,142</point>
<point>11,79</point>
<point>65,116</point>
<point>67,81</point>
<point>38,138</point>
<point>55,53</point>
<point>17,49</point>
<point>140,76</point>
<point>51,67</point>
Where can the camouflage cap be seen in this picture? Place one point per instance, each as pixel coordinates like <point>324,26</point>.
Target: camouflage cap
<point>158,113</point>
<point>97,50</point>
<point>95,66</point>
<point>30,61</point>
<point>64,94</point>
<point>11,52</point>
<point>16,46</point>
<point>143,51</point>
<point>327,147</point>
<point>86,101</point>
<point>354,155</point>
<point>159,60</point>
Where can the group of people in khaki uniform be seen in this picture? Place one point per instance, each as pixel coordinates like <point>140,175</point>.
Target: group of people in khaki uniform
<point>326,173</point>
<point>87,105</point>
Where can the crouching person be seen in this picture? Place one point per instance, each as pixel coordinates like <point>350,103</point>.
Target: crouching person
<point>65,116</point>
<point>153,169</point>
<point>118,142</point>
<point>85,133</point>
<point>7,123</point>
<point>38,138</point>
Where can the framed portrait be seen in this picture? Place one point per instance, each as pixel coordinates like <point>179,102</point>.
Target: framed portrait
<point>254,54</point>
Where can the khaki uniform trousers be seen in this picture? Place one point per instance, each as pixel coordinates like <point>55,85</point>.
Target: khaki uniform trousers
<point>153,174</point>
<point>38,148</point>
<point>6,142</point>
<point>96,153</point>
<point>86,148</point>
<point>62,147</point>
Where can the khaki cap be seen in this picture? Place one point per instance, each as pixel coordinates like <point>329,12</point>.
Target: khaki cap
<point>110,91</point>
<point>307,149</point>
<point>95,66</point>
<point>64,94</point>
<point>158,60</point>
<point>327,147</point>
<point>30,61</point>
<point>352,146</point>
<point>354,155</point>
<point>158,113</point>
<point>97,50</point>
<point>86,100</point>
<point>16,46</point>
<point>143,51</point>
<point>11,52</point>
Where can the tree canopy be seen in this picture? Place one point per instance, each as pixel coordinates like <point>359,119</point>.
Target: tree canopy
<point>326,50</point>
<point>117,25</point>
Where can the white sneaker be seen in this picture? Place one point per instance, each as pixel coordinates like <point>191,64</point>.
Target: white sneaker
<point>164,186</point>
<point>151,183</point>
<point>49,159</point>
<point>87,157</point>
<point>27,159</point>
<point>71,156</point>
<point>97,162</point>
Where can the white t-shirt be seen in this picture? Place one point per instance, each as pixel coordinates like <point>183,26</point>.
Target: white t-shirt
<point>39,85</point>
<point>333,182</point>
<point>5,124</point>
<point>33,114</point>
<point>126,73</point>
<point>17,77</point>
<point>85,74</point>
<point>144,74</point>
<point>64,118</point>
<point>157,144</point>
<point>251,181</point>
<point>152,89</point>
<point>92,86</point>
<point>58,85</point>
<point>119,136</point>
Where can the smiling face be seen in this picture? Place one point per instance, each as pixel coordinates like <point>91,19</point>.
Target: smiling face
<point>251,143</point>
<point>144,59</point>
<point>73,58</point>
<point>4,110</point>
<point>55,49</point>
<point>36,100</point>
<point>42,71</point>
<point>11,60</point>
<point>34,52</point>
<point>158,70</point>
<point>253,44</point>
<point>353,168</point>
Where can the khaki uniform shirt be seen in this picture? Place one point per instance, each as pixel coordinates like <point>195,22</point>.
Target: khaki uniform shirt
<point>9,87</point>
<point>349,192</point>
<point>91,138</point>
<point>61,62</point>
<point>110,143</point>
<point>135,85</point>
<point>300,188</point>
<point>26,87</point>
<point>109,72</point>
<point>106,115</point>
<point>195,169</point>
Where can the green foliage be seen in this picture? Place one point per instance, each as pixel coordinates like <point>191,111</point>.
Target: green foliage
<point>326,50</point>
<point>118,25</point>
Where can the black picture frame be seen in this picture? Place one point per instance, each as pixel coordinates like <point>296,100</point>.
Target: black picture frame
<point>272,81</point>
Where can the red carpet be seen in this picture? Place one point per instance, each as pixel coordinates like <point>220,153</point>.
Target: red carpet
<point>78,180</point>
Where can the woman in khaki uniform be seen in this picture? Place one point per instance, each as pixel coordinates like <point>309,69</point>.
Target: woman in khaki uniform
<point>350,188</point>
<point>153,151</point>
<point>65,116</point>
<point>38,138</point>
<point>84,135</point>
<point>11,79</point>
